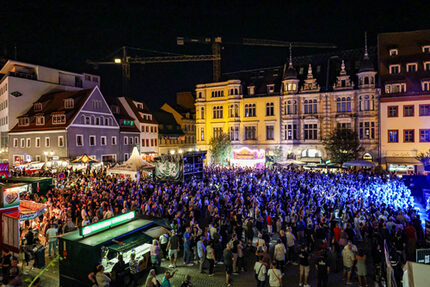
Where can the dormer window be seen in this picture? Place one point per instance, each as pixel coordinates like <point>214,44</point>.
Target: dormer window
<point>425,85</point>
<point>251,90</point>
<point>37,107</point>
<point>140,106</point>
<point>394,69</point>
<point>58,119</point>
<point>23,122</point>
<point>40,120</point>
<point>270,89</point>
<point>411,67</point>
<point>426,49</point>
<point>115,109</point>
<point>69,103</point>
<point>393,52</point>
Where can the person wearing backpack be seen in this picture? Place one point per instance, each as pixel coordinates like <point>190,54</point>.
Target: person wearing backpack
<point>260,273</point>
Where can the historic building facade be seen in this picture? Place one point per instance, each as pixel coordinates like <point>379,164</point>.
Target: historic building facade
<point>273,107</point>
<point>404,66</point>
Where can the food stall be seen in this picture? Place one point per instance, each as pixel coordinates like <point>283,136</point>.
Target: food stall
<point>41,185</point>
<point>12,212</point>
<point>102,242</point>
<point>245,157</point>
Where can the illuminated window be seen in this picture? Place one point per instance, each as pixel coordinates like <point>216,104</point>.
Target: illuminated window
<point>202,134</point>
<point>393,136</point>
<point>40,120</point>
<point>395,88</point>
<point>425,135</point>
<point>58,119</point>
<point>424,110</point>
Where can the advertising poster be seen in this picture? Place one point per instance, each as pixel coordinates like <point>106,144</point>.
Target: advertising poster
<point>168,170</point>
<point>10,198</point>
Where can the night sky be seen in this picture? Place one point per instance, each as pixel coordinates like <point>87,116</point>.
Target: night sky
<point>64,34</point>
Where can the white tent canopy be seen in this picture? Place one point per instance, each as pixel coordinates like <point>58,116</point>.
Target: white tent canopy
<point>130,168</point>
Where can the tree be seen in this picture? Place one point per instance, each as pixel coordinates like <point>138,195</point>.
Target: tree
<point>342,145</point>
<point>424,157</point>
<point>278,154</point>
<point>220,148</point>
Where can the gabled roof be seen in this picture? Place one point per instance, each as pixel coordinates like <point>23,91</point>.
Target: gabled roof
<point>53,103</point>
<point>137,111</point>
<point>167,125</point>
<point>122,115</point>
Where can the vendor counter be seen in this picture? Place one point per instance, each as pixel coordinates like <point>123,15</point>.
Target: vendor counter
<point>102,242</point>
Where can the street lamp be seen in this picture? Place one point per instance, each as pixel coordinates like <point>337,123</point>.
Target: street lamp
<point>117,61</point>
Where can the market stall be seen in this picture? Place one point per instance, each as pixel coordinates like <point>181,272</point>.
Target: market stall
<point>132,166</point>
<point>41,185</point>
<point>102,242</point>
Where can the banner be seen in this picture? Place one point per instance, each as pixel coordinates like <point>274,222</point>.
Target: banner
<point>168,170</point>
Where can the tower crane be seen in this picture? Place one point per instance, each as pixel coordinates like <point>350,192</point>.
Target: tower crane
<point>216,43</point>
<point>125,61</point>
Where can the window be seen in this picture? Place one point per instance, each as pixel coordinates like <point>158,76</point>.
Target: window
<point>424,110</point>
<point>393,52</point>
<point>343,104</point>
<point>22,142</point>
<point>202,134</point>
<point>344,126</point>
<point>58,119</point>
<point>408,111</point>
<point>426,66</point>
<point>234,133</point>
<point>393,111</point>
<point>47,142</point>
<point>103,140</point>
<point>426,49</point>
<point>395,88</point>
<point>292,107</point>
<point>270,89</point>
<point>79,140</point>
<point>270,132</point>
<point>37,142</point>
<point>393,136</point>
<point>69,103</point>
<point>251,90</point>
<point>411,67</point>
<point>202,113</point>
<point>40,120</point>
<point>136,140</point>
<point>310,131</point>
<point>290,86</point>
<point>155,142</point>
<point>217,94</point>
<point>250,133</point>
<point>131,140</point>
<point>92,140</point>
<point>60,141</point>
<point>200,95</point>
<point>408,136</point>
<point>22,122</point>
<point>97,121</point>
<point>125,140</point>
<point>143,142</point>
<point>87,120</point>
<point>218,112</point>
<point>217,132</point>
<point>37,107</point>
<point>425,135</point>
<point>249,110</point>
<point>28,142</point>
<point>125,156</point>
<point>367,130</point>
<point>366,103</point>
<point>270,109</point>
<point>147,142</point>
<point>310,106</point>
<point>97,104</point>
<point>425,85</point>
<point>394,69</point>
<point>38,158</point>
<point>291,132</point>
<point>15,142</point>
<point>233,111</point>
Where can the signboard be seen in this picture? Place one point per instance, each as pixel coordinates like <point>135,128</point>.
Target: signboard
<point>61,175</point>
<point>10,197</point>
<point>248,154</point>
<point>106,224</point>
<point>168,170</point>
<point>423,256</point>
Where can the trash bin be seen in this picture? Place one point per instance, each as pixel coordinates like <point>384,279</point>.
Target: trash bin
<point>39,257</point>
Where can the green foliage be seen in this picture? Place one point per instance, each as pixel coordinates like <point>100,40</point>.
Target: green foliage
<point>278,154</point>
<point>342,145</point>
<point>220,149</point>
<point>424,156</point>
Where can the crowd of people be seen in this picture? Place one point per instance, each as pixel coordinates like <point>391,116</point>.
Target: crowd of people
<point>320,221</point>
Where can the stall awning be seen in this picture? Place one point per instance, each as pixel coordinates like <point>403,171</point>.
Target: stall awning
<point>402,160</point>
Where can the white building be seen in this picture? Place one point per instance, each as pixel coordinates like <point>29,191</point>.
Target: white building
<point>146,124</point>
<point>23,83</point>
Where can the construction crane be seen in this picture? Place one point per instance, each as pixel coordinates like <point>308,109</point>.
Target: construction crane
<point>216,43</point>
<point>125,61</point>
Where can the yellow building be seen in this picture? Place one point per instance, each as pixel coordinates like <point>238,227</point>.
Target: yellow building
<point>251,120</point>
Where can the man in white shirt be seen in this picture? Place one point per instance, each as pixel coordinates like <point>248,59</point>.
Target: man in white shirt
<point>275,276</point>
<point>260,272</point>
<point>51,234</point>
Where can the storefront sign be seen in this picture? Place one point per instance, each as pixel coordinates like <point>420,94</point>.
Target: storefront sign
<point>248,154</point>
<point>106,224</point>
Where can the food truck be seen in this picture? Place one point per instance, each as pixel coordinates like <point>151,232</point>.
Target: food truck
<point>101,243</point>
